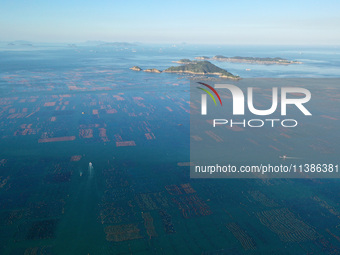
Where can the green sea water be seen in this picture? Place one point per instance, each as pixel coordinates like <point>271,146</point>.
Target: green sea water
<point>139,199</point>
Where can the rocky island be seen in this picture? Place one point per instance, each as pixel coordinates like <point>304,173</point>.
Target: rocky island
<point>136,68</point>
<point>183,61</point>
<point>152,70</point>
<point>201,67</point>
<point>193,67</point>
<point>252,60</point>
<point>202,58</point>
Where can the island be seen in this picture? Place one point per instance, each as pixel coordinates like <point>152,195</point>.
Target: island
<point>136,68</point>
<point>183,61</point>
<point>152,70</point>
<point>192,67</point>
<point>252,60</point>
<point>202,58</point>
<point>201,67</point>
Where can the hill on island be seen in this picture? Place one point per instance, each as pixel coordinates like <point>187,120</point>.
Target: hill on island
<point>201,67</point>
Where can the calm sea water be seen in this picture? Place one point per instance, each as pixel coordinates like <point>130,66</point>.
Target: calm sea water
<point>139,199</point>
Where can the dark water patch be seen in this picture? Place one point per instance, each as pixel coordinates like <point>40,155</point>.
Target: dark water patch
<point>42,230</point>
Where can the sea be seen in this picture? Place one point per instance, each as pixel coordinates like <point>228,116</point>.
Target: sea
<point>95,157</point>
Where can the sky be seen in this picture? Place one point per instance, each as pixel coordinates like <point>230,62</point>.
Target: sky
<point>285,22</point>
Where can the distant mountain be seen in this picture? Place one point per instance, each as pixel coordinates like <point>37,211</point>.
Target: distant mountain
<point>108,44</point>
<point>94,42</point>
<point>116,44</point>
<point>20,43</point>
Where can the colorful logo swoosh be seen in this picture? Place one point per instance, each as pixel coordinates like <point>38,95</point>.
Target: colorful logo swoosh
<point>209,93</point>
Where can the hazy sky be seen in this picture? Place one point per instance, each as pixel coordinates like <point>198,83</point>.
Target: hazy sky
<point>220,22</point>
